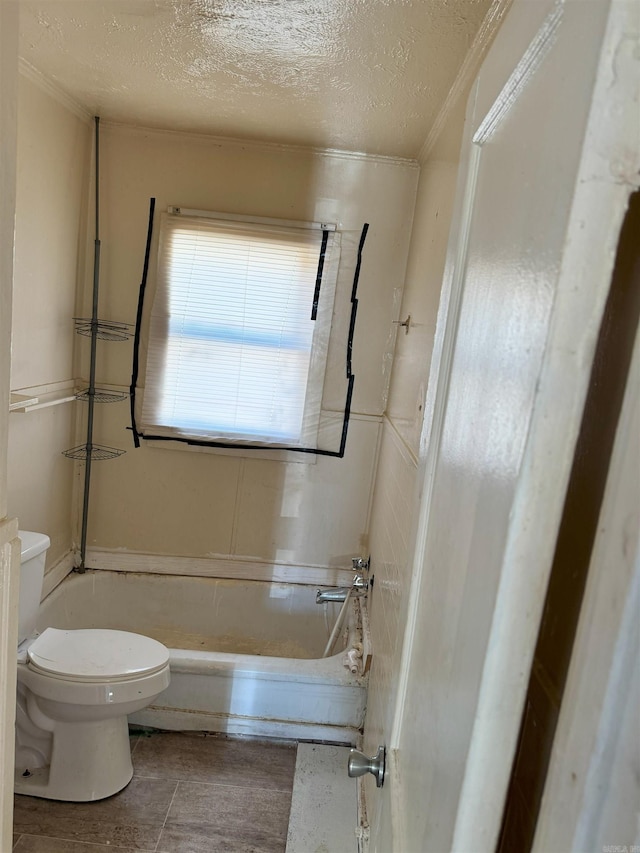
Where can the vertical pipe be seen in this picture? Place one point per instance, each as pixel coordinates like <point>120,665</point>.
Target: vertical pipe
<point>92,367</point>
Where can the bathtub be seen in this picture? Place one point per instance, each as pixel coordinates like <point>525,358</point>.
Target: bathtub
<point>245,656</point>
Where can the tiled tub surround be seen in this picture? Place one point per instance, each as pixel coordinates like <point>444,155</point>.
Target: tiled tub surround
<point>245,656</point>
<point>190,793</point>
<point>392,531</point>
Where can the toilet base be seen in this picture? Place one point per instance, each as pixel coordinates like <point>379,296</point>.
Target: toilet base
<point>89,761</point>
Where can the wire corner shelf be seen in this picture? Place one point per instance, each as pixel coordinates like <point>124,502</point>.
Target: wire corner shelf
<point>94,452</point>
<point>102,395</point>
<point>104,330</point>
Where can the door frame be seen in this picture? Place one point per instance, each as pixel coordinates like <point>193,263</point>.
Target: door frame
<point>608,173</point>
<point>592,791</point>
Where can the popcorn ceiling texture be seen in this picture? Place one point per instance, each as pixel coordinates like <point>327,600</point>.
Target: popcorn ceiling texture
<point>359,75</point>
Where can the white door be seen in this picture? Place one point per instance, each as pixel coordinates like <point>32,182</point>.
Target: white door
<point>549,157</point>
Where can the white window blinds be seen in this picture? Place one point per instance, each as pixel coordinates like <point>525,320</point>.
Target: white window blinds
<point>233,352</point>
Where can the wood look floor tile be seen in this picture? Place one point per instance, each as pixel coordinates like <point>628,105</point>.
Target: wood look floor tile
<point>205,818</point>
<point>42,844</point>
<point>216,759</point>
<point>132,818</point>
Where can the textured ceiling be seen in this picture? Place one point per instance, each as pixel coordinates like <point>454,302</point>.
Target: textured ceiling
<point>359,75</point>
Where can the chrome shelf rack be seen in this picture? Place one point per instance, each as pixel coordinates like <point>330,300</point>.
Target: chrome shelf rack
<point>95,329</point>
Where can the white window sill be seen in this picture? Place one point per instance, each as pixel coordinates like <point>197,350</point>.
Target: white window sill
<point>330,432</point>
<point>273,455</point>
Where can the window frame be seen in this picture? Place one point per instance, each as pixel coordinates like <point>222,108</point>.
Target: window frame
<point>319,350</point>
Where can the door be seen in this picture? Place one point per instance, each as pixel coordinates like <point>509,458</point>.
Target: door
<point>548,161</point>
<point>580,525</point>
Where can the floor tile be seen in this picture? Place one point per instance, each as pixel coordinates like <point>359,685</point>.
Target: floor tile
<point>42,844</point>
<point>132,818</point>
<point>324,810</point>
<point>205,818</point>
<point>215,759</point>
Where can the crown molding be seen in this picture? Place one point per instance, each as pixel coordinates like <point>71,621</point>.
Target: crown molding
<point>287,148</point>
<point>468,70</point>
<point>55,91</point>
<point>27,70</point>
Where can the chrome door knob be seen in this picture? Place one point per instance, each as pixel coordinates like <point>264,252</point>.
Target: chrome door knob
<point>359,764</point>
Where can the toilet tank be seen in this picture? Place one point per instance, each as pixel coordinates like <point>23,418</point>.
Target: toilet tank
<point>33,552</point>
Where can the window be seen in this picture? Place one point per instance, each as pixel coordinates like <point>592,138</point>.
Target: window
<point>238,331</point>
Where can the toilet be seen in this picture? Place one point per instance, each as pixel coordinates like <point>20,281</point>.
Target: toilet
<point>75,689</point>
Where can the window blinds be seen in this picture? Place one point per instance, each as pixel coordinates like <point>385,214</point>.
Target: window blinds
<point>235,349</point>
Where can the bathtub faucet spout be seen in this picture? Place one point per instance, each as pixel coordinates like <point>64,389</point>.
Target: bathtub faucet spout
<point>359,586</point>
<point>339,593</point>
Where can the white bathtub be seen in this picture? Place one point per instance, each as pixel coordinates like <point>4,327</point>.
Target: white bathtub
<point>245,655</point>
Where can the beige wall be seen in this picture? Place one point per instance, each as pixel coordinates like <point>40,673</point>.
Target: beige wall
<point>8,543</point>
<point>8,100</point>
<point>396,492</point>
<point>52,161</point>
<point>184,503</point>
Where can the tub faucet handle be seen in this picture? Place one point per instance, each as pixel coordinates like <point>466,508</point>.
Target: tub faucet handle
<point>360,583</point>
<point>360,564</point>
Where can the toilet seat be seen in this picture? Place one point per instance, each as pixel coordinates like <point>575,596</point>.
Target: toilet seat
<point>96,655</point>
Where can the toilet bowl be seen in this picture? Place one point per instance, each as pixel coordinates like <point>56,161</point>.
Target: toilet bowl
<point>75,689</point>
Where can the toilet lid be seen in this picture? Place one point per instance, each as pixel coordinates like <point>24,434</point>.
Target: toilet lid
<point>96,654</point>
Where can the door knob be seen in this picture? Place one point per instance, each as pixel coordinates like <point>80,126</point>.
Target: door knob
<point>359,764</point>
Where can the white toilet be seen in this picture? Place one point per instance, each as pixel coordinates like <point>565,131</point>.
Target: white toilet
<point>75,689</point>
